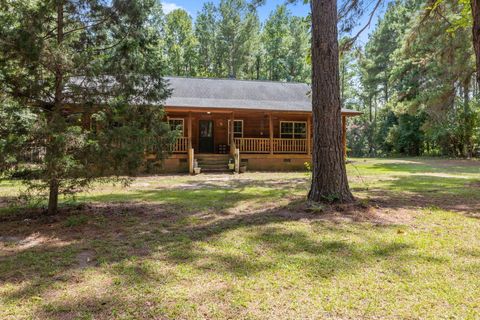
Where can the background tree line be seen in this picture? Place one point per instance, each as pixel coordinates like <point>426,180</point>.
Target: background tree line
<point>415,81</point>
<point>228,41</point>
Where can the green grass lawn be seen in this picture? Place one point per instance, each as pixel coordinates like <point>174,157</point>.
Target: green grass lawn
<point>249,247</point>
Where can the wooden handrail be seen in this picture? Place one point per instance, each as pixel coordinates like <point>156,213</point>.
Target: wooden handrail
<point>289,145</point>
<point>262,145</point>
<point>253,145</point>
<point>181,145</point>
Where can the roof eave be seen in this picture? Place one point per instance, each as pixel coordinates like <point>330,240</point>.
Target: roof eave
<point>349,113</point>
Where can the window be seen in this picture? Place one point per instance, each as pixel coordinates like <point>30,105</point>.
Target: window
<point>237,129</point>
<point>176,124</point>
<point>293,129</point>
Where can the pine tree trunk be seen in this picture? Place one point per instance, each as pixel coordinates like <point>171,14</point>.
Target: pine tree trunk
<point>53,197</point>
<point>53,184</point>
<point>329,178</point>
<point>467,144</point>
<point>475,5</point>
<point>370,125</point>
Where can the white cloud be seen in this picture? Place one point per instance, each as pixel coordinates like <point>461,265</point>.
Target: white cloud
<point>170,6</point>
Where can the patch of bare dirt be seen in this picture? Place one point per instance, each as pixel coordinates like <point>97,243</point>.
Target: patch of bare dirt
<point>475,184</point>
<point>14,243</point>
<point>359,211</point>
<point>5,202</point>
<point>85,259</point>
<point>458,162</point>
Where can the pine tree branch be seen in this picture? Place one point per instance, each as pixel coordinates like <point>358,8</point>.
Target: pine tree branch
<point>94,24</point>
<point>351,41</point>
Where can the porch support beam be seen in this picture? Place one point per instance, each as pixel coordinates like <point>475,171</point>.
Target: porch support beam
<point>190,152</point>
<point>344,136</point>
<point>189,130</point>
<point>232,143</point>
<point>270,128</point>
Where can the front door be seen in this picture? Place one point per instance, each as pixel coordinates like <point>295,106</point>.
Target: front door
<point>205,143</point>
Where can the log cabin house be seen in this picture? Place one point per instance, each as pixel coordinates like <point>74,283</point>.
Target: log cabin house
<point>260,124</point>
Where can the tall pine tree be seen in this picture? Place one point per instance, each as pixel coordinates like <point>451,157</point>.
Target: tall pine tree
<point>74,62</point>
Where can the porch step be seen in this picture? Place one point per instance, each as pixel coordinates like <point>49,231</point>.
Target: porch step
<point>213,162</point>
<point>208,156</point>
<point>206,166</point>
<point>216,170</point>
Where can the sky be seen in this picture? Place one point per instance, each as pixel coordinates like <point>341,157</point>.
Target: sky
<point>299,9</point>
<point>193,6</point>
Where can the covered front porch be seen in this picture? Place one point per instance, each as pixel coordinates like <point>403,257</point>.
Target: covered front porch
<point>263,139</point>
<point>251,132</point>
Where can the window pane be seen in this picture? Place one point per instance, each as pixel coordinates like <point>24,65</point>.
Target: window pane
<point>238,126</point>
<point>300,130</point>
<point>286,127</point>
<point>286,130</point>
<point>176,124</point>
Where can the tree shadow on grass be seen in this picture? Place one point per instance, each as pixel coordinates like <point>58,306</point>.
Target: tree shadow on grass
<point>192,229</point>
<point>419,165</point>
<point>249,183</point>
<point>423,191</point>
<point>122,240</point>
<point>208,195</point>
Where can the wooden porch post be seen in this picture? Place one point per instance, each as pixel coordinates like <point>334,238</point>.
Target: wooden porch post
<point>232,143</point>
<point>344,136</point>
<point>309,135</point>
<point>190,151</point>
<point>189,130</point>
<point>270,127</point>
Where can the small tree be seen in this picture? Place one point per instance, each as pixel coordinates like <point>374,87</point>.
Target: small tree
<point>89,71</point>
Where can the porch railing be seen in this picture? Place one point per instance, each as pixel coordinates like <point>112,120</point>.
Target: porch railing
<point>181,145</point>
<point>262,145</point>
<point>289,145</point>
<point>253,145</point>
<point>256,145</point>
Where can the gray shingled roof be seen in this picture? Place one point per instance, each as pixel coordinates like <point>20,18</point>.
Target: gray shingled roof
<point>240,94</point>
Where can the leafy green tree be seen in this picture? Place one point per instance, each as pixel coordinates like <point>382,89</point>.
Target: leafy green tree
<point>276,39</point>
<point>406,137</point>
<point>375,66</point>
<point>416,71</point>
<point>238,24</point>
<point>433,73</point>
<point>78,62</point>
<point>286,43</point>
<point>16,128</point>
<point>255,63</point>
<point>181,44</point>
<point>206,32</point>
<point>298,51</point>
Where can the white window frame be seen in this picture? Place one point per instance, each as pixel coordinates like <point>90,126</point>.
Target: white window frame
<point>229,133</point>
<point>293,129</point>
<point>177,119</point>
